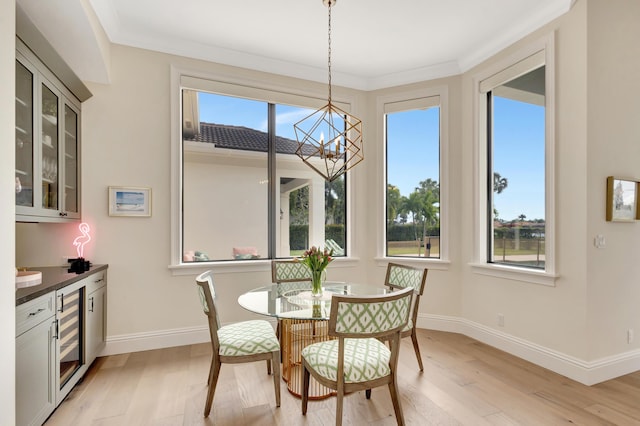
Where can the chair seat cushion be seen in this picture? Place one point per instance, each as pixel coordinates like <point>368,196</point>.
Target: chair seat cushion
<point>247,338</point>
<point>364,359</point>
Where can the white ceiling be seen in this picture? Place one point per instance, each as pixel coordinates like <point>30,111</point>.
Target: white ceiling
<point>375,43</point>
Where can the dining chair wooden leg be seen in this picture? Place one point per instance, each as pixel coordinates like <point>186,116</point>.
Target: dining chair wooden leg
<point>269,366</point>
<point>212,387</point>
<point>339,405</point>
<point>276,375</point>
<point>416,348</point>
<point>210,371</point>
<point>367,393</point>
<point>305,389</point>
<point>393,390</point>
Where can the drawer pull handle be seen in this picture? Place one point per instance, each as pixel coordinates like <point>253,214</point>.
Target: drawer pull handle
<point>33,314</point>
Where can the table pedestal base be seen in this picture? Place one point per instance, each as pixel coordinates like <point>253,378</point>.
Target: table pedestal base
<point>295,335</point>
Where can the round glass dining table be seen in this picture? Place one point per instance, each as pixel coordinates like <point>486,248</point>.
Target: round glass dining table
<point>302,320</point>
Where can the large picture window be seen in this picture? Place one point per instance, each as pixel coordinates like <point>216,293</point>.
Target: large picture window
<point>412,134</point>
<point>246,195</point>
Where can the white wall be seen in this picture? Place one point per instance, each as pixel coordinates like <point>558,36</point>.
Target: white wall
<point>574,326</point>
<point>553,317</point>
<point>613,150</point>
<point>7,213</point>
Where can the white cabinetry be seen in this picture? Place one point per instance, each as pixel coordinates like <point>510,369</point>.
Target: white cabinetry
<point>58,336</point>
<point>96,310</point>
<point>47,144</point>
<point>35,361</point>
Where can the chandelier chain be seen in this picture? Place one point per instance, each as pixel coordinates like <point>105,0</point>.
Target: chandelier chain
<point>329,51</point>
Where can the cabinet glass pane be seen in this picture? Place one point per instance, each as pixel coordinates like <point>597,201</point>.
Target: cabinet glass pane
<point>49,149</point>
<point>24,136</point>
<point>70,160</point>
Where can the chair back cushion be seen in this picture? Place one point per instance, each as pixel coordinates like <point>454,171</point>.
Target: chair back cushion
<point>369,316</point>
<point>207,293</point>
<point>402,276</point>
<point>289,271</point>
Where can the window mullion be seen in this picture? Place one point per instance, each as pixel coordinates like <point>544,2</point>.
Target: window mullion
<point>273,185</point>
<point>490,206</point>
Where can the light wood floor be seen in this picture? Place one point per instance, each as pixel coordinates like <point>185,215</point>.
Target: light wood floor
<point>464,383</point>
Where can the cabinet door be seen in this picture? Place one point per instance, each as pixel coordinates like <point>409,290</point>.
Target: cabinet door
<point>35,374</point>
<point>96,308</point>
<point>25,89</point>
<point>50,147</point>
<point>69,162</point>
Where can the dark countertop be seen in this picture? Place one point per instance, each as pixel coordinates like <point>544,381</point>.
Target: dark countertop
<point>53,278</point>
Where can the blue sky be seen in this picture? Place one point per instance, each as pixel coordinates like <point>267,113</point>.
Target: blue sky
<point>413,155</point>
<point>519,156</point>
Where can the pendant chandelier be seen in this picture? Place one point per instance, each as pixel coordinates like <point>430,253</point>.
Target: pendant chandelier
<point>329,139</point>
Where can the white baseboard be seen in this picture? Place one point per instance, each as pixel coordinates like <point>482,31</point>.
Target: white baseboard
<point>585,372</point>
<point>137,342</point>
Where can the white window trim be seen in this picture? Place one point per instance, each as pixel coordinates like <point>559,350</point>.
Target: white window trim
<point>250,89</point>
<point>480,264</point>
<point>407,98</point>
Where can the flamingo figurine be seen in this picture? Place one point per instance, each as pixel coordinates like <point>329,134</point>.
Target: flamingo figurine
<point>83,239</point>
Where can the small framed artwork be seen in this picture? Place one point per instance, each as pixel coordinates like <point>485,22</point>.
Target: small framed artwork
<point>622,200</point>
<point>129,201</point>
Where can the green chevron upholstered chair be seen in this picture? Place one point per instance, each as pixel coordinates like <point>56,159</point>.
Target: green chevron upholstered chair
<point>289,275</point>
<point>403,276</point>
<point>357,359</point>
<point>245,341</point>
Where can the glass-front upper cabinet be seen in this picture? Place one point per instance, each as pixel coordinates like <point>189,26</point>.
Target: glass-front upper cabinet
<point>47,145</point>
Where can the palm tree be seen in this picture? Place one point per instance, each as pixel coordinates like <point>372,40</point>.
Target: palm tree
<point>393,203</point>
<point>499,183</point>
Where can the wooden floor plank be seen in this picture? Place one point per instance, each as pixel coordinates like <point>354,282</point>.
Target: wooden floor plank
<point>464,383</point>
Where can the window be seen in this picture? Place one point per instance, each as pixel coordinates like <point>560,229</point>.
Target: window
<point>245,194</point>
<point>515,131</point>
<point>412,133</point>
<point>516,165</point>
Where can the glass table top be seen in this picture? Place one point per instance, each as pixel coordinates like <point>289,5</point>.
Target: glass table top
<point>294,300</point>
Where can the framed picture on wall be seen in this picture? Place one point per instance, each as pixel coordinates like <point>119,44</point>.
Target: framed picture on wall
<point>622,199</point>
<point>129,201</point>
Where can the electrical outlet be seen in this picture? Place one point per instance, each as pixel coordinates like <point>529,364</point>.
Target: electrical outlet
<point>599,241</point>
<point>630,335</point>
<point>500,320</point>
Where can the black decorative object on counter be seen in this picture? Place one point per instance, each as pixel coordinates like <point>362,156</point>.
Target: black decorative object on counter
<point>79,265</point>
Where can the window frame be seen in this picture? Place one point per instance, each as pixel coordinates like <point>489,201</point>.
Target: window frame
<point>228,85</point>
<point>524,60</point>
<point>385,104</point>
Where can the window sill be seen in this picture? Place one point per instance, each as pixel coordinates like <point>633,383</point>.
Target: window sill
<point>435,264</point>
<point>515,273</point>
<point>232,266</point>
